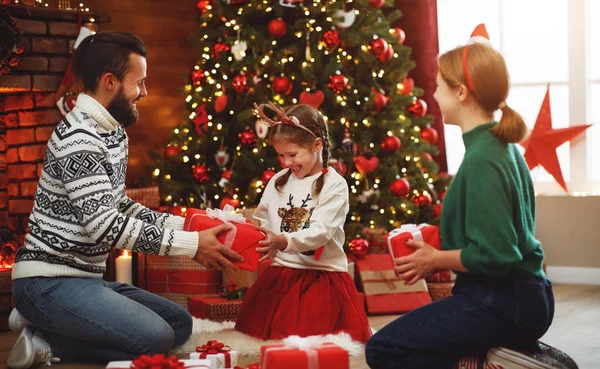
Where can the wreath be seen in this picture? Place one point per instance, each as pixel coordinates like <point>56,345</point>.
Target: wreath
<point>10,42</point>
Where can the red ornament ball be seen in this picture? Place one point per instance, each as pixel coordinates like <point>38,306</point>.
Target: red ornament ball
<point>359,247</point>
<point>221,103</point>
<point>400,187</point>
<point>266,176</point>
<point>423,199</point>
<point>331,38</point>
<point>200,173</point>
<point>378,47</point>
<point>399,32</point>
<point>171,151</point>
<point>197,77</point>
<point>337,83</point>
<point>429,135</point>
<point>202,5</point>
<point>282,85</point>
<point>387,55</point>
<point>426,156</point>
<point>391,144</point>
<point>277,28</point>
<point>229,201</point>
<point>226,174</point>
<point>219,48</point>
<point>380,101</point>
<point>376,4</point>
<point>248,137</point>
<point>240,83</point>
<point>407,86</point>
<point>418,108</point>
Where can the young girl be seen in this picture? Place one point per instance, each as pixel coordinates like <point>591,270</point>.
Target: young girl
<point>501,296</point>
<point>307,290</point>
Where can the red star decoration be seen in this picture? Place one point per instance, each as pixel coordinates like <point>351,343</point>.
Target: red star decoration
<point>540,146</point>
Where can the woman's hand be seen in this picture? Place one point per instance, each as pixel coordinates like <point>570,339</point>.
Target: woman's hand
<point>419,264</point>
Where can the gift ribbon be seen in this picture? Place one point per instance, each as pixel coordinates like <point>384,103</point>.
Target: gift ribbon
<point>306,344</point>
<point>227,216</point>
<point>160,361</point>
<point>214,347</point>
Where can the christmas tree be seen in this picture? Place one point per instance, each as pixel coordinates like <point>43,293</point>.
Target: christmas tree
<point>344,58</point>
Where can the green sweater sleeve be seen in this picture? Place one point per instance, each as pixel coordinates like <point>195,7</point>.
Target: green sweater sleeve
<point>492,246</point>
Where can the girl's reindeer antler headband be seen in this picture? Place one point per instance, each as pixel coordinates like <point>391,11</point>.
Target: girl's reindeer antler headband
<point>283,118</point>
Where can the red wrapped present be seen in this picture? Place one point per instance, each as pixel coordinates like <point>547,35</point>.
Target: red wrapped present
<point>443,276</point>
<point>303,353</point>
<point>214,307</point>
<point>422,232</point>
<point>385,293</point>
<point>147,196</point>
<point>242,238</point>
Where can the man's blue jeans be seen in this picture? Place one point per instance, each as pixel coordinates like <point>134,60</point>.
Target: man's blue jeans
<point>511,311</point>
<point>90,320</point>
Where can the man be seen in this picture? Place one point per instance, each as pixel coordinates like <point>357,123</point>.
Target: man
<point>64,309</point>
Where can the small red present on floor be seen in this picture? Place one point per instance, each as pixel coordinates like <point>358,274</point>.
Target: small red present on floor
<point>243,238</point>
<point>299,353</point>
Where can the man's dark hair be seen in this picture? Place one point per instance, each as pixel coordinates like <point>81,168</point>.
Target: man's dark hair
<point>105,52</point>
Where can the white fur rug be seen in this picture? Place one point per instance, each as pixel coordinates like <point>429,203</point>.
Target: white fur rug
<point>205,330</point>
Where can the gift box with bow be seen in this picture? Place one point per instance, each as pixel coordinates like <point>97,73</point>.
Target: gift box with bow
<point>159,361</point>
<point>219,354</point>
<point>242,238</point>
<point>385,292</point>
<point>423,232</point>
<point>303,353</point>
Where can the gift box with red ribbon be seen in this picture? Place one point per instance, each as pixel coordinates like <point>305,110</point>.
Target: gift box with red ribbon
<point>242,238</point>
<point>385,292</point>
<point>303,353</point>
<point>423,232</point>
<point>214,307</point>
<point>159,361</point>
<point>177,277</point>
<point>219,354</point>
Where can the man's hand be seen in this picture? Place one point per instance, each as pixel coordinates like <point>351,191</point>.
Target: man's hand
<point>271,244</point>
<point>417,265</point>
<point>211,253</point>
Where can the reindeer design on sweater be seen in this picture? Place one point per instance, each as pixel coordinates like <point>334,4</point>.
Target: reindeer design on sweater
<point>295,219</point>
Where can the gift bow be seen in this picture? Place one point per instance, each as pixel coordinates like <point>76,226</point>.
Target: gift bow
<point>413,229</point>
<point>306,344</point>
<point>214,347</point>
<point>227,216</point>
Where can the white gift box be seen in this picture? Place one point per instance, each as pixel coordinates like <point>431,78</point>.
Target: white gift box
<point>188,364</point>
<point>217,360</point>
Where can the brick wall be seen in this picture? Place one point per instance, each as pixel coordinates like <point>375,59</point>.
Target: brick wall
<point>28,114</point>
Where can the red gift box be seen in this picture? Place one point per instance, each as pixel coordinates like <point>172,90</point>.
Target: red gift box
<point>377,240</point>
<point>214,307</point>
<point>183,281</point>
<point>243,239</point>
<point>422,232</point>
<point>385,293</point>
<point>303,353</point>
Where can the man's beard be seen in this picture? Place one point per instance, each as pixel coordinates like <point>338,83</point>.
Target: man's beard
<point>122,109</point>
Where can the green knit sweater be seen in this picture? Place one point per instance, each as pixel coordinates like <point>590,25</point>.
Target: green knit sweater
<point>489,209</point>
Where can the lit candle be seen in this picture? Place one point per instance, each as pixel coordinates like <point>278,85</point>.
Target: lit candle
<point>123,266</point>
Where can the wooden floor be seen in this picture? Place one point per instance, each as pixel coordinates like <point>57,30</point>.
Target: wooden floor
<point>576,330</point>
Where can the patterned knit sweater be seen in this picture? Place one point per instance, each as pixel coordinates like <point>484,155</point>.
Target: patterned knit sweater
<point>80,208</point>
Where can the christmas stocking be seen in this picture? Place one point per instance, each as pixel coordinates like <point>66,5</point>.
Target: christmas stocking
<point>66,94</point>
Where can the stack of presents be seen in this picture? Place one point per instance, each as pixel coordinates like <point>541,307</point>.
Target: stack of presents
<point>216,295</point>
